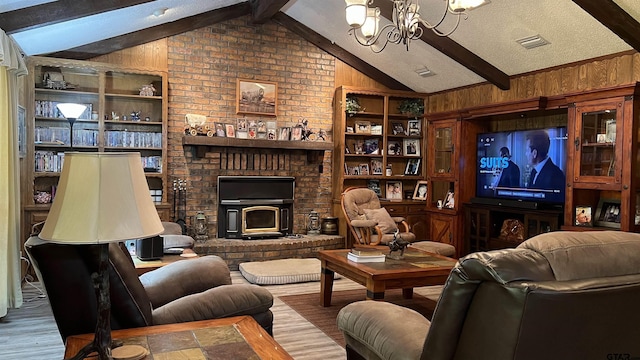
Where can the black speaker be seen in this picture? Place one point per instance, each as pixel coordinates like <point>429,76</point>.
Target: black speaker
<point>150,248</point>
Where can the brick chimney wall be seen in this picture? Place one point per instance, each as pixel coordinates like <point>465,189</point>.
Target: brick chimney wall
<point>204,65</point>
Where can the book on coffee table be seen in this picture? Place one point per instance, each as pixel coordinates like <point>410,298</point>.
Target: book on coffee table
<point>366,256</point>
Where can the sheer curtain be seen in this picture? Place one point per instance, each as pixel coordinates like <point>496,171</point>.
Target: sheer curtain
<point>11,67</point>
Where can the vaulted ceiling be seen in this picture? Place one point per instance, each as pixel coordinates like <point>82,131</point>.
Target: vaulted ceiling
<point>482,49</point>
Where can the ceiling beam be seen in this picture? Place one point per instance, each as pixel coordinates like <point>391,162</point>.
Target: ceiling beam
<point>454,51</point>
<point>324,44</point>
<point>263,10</point>
<point>615,18</point>
<point>154,33</point>
<point>58,11</point>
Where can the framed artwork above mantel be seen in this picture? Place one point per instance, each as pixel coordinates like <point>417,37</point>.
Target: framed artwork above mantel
<point>256,97</point>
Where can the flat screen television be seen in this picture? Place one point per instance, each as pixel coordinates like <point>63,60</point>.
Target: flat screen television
<point>509,171</point>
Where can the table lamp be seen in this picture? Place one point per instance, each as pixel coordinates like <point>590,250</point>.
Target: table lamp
<point>101,198</point>
<point>71,111</point>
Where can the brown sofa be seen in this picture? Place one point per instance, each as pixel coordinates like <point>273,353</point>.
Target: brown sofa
<point>189,290</point>
<point>560,295</point>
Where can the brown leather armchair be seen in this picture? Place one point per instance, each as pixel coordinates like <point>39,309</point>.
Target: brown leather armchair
<point>189,290</point>
<point>560,295</point>
<point>370,224</point>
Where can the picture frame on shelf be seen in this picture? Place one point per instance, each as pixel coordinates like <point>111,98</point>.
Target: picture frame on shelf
<point>284,133</point>
<point>397,128</point>
<point>449,200</point>
<point>608,213</point>
<point>376,129</point>
<point>413,165</point>
<point>376,167</point>
<point>349,130</point>
<point>411,147</point>
<point>610,135</point>
<point>220,132</point>
<point>371,146</point>
<point>363,127</point>
<point>253,132</point>
<point>242,134</point>
<point>583,216</point>
<point>364,169</point>
<point>230,130</point>
<point>271,134</point>
<point>394,190</point>
<point>262,126</point>
<point>420,192</point>
<point>358,147</point>
<point>241,124</point>
<point>374,185</point>
<point>256,97</point>
<point>394,148</point>
<point>414,127</point>
<point>296,133</point>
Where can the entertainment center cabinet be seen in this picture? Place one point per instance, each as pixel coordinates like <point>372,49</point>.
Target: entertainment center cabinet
<point>483,225</point>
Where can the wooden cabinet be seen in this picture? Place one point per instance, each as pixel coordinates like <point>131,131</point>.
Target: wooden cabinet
<point>118,117</point>
<point>603,180</point>
<point>450,144</point>
<point>483,224</point>
<point>378,146</point>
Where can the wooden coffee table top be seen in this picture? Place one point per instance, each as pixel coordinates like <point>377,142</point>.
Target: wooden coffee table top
<point>415,263</point>
<point>417,268</point>
<point>238,337</point>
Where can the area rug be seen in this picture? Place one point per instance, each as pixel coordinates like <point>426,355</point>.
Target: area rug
<point>324,318</point>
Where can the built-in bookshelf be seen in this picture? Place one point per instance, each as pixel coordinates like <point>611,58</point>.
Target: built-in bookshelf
<point>380,145</point>
<point>126,110</point>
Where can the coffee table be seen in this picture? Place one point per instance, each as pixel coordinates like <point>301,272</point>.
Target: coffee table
<point>237,337</point>
<point>418,268</point>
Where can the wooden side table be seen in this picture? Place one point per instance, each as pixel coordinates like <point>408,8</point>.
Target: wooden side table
<point>146,266</point>
<point>239,337</point>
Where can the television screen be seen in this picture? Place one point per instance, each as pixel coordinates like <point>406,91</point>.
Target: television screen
<point>523,165</point>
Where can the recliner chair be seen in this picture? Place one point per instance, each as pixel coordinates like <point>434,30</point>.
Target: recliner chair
<point>188,290</point>
<point>559,295</point>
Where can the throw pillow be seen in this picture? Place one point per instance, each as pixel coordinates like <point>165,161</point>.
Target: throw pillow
<point>385,222</point>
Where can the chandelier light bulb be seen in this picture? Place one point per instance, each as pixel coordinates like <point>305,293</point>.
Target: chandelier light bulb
<point>356,12</point>
<point>370,27</point>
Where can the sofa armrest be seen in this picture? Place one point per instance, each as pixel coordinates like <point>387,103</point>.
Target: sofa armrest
<point>222,301</point>
<point>185,277</point>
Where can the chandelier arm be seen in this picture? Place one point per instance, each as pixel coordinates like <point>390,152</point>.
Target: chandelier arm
<point>441,34</point>
<point>429,26</point>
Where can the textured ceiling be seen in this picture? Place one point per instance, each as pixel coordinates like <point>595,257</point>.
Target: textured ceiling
<point>490,32</point>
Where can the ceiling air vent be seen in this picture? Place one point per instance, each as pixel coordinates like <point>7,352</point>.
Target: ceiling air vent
<point>425,72</point>
<point>531,42</point>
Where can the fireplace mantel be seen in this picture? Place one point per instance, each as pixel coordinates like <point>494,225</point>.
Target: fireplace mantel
<point>201,143</point>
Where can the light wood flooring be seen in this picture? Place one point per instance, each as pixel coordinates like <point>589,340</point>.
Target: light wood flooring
<point>31,333</point>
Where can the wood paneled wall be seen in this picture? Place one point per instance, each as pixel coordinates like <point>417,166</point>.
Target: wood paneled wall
<point>607,72</point>
<point>151,56</point>
<point>345,75</point>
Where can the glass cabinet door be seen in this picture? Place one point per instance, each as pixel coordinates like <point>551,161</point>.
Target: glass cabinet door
<point>596,144</point>
<point>442,141</point>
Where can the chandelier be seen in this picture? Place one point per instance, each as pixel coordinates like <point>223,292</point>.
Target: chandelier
<point>364,21</point>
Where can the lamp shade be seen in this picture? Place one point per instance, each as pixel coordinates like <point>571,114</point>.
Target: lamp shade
<point>71,110</point>
<point>101,197</point>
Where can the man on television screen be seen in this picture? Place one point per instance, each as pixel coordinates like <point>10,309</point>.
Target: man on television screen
<point>545,174</point>
<point>510,175</point>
